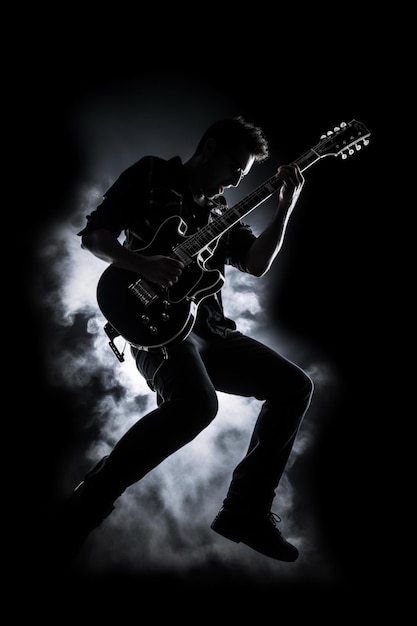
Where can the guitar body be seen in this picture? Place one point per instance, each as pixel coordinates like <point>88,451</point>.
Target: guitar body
<point>149,316</point>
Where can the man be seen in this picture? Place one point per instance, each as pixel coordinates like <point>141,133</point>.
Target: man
<point>205,352</point>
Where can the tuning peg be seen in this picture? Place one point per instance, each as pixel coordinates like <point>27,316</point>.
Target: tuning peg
<point>329,132</point>
<point>365,142</point>
<point>358,146</point>
<point>344,155</point>
<point>342,124</point>
<point>336,129</point>
<point>323,137</point>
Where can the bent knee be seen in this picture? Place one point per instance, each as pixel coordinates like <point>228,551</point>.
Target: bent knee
<point>205,407</point>
<point>296,385</point>
<point>308,385</point>
<point>303,386</point>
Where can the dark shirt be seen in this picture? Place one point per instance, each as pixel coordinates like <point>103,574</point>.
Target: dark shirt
<point>143,197</point>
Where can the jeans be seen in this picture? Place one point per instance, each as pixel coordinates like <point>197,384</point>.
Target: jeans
<point>186,383</point>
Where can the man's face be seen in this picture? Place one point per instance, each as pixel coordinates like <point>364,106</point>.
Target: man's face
<point>225,168</point>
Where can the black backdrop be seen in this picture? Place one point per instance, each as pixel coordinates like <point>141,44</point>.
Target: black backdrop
<point>337,312</point>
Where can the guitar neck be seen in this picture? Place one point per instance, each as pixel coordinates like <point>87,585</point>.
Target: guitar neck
<point>343,141</point>
<point>215,229</point>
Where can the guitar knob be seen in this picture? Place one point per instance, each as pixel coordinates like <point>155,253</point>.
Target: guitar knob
<point>145,319</point>
<point>165,317</point>
<point>166,304</point>
<point>153,330</point>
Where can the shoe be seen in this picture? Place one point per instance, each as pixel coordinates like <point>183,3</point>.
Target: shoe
<point>259,532</point>
<point>73,522</point>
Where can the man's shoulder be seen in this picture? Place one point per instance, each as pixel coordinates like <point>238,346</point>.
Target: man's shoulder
<point>146,169</point>
<point>157,162</point>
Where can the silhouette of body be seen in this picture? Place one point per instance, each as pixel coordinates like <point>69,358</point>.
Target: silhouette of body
<point>201,351</point>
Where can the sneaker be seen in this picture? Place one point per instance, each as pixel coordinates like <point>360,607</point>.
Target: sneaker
<point>259,532</point>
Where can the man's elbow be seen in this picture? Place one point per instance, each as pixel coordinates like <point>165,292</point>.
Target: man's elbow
<point>260,272</point>
<point>84,240</point>
<point>256,269</point>
<point>88,241</point>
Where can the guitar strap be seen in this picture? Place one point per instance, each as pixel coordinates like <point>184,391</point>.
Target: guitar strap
<point>112,333</point>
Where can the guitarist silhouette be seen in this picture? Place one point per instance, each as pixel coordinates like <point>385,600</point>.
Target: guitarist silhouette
<point>162,292</point>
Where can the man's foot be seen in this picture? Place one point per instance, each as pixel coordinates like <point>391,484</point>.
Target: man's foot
<point>258,531</point>
<point>73,522</point>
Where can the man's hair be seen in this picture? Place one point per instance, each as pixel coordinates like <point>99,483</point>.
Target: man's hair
<point>237,131</point>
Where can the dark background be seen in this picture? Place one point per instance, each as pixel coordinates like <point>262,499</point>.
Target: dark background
<point>331,294</point>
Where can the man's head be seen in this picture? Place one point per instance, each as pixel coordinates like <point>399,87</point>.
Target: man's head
<point>237,132</point>
<point>226,153</point>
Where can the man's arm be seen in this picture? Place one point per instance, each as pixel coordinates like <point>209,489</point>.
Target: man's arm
<point>266,246</point>
<point>159,269</point>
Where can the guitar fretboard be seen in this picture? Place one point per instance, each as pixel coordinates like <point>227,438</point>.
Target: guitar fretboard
<point>194,244</point>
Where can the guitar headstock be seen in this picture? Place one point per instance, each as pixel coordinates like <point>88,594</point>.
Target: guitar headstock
<point>343,140</point>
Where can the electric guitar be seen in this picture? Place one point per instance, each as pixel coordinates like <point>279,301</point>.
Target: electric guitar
<point>151,317</point>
